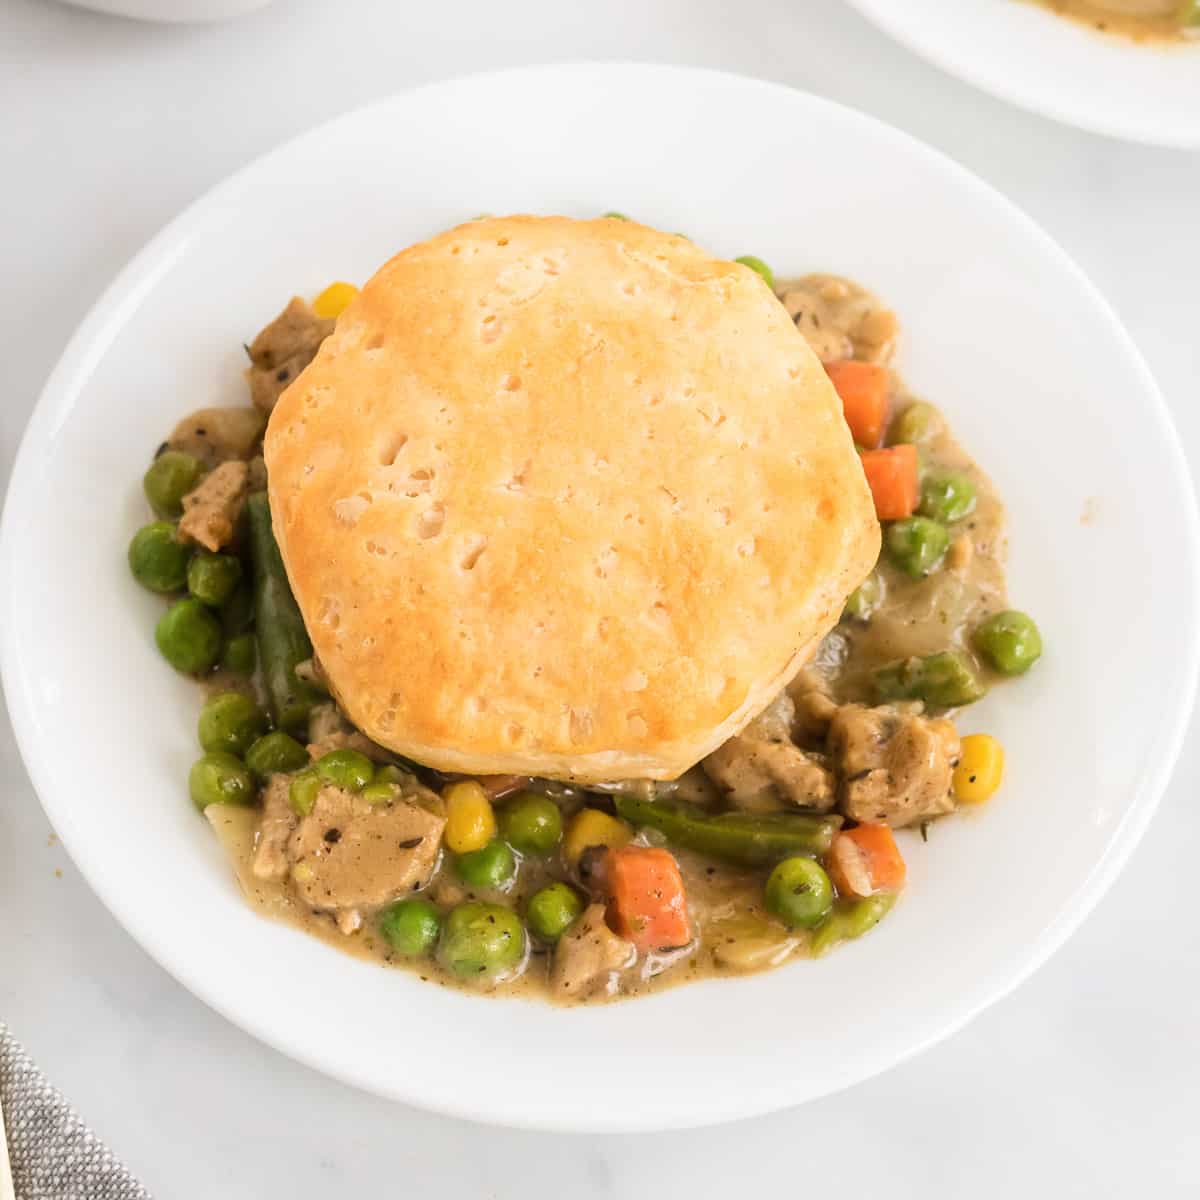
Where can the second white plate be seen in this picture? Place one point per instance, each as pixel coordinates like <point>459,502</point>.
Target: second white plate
<point>1029,56</point>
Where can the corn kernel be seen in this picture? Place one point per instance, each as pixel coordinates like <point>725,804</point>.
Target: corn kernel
<point>333,300</point>
<point>591,827</point>
<point>470,821</point>
<point>980,768</point>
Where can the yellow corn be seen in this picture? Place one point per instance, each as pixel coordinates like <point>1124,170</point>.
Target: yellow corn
<point>979,769</point>
<point>333,300</point>
<point>591,827</point>
<point>470,821</point>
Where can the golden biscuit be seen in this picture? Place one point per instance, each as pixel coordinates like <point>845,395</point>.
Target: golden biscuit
<point>565,498</point>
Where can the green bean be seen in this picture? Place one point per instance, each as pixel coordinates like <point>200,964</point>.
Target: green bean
<point>237,613</point>
<point>219,779</point>
<point>750,839</point>
<point>917,545</point>
<point>157,560</point>
<point>168,479</point>
<point>189,637</point>
<point>851,919</point>
<point>947,496</point>
<point>945,680</point>
<point>239,654</point>
<point>282,639</point>
<point>411,927</point>
<point>1010,641</point>
<point>759,267</point>
<point>552,910</point>
<point>212,578</point>
<point>481,940</point>
<point>799,893</point>
<point>276,753</point>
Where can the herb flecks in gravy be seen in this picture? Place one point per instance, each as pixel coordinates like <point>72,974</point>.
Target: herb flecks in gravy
<point>778,845</point>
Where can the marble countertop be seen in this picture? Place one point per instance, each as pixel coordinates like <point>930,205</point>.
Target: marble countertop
<point>1082,1083</point>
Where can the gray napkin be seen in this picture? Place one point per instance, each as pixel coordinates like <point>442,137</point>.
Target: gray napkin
<point>55,1156</point>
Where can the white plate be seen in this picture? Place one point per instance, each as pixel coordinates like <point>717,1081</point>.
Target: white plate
<point>174,11</point>
<point>1027,55</point>
<point>1001,329</point>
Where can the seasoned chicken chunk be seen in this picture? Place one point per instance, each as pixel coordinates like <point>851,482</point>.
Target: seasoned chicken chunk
<point>211,509</point>
<point>895,766</point>
<point>761,769</point>
<point>587,956</point>
<point>329,730</point>
<point>282,350</point>
<point>840,320</point>
<point>348,855</point>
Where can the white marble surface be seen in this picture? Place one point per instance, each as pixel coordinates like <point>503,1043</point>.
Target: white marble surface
<point>1083,1083</point>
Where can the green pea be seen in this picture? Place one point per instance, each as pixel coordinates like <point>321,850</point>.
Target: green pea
<point>944,680</point>
<point>493,866</point>
<point>231,722</point>
<point>302,791</point>
<point>757,265</point>
<point>480,939</point>
<point>219,778</point>
<point>240,654</point>
<point>531,824</point>
<point>947,497</point>
<point>917,545</point>
<point>380,792</point>
<point>851,919</point>
<point>157,560</point>
<point>552,910</point>
<point>390,773</point>
<point>213,577</point>
<point>237,613</point>
<point>189,636</point>
<point>616,216</point>
<point>1010,641</point>
<point>916,424</point>
<point>347,769</point>
<point>411,927</point>
<point>276,753</point>
<point>865,598</point>
<point>168,479</point>
<point>799,893</point>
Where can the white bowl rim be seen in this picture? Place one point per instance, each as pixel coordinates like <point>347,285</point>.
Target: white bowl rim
<point>104,321</point>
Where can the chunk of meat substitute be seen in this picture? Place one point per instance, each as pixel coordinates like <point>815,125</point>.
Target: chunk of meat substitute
<point>895,766</point>
<point>282,350</point>
<point>275,830</point>
<point>761,768</point>
<point>588,955</point>
<point>211,509</point>
<point>217,435</point>
<point>348,855</point>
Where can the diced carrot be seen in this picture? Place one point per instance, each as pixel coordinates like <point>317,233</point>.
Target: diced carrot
<point>863,388</point>
<point>865,860</point>
<point>647,901</point>
<point>893,477</point>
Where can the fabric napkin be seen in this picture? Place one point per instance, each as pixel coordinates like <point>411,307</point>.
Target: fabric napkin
<point>54,1155</point>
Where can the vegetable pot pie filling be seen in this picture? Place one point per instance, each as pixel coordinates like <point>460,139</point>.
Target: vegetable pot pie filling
<point>779,843</point>
<point>1139,20</point>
